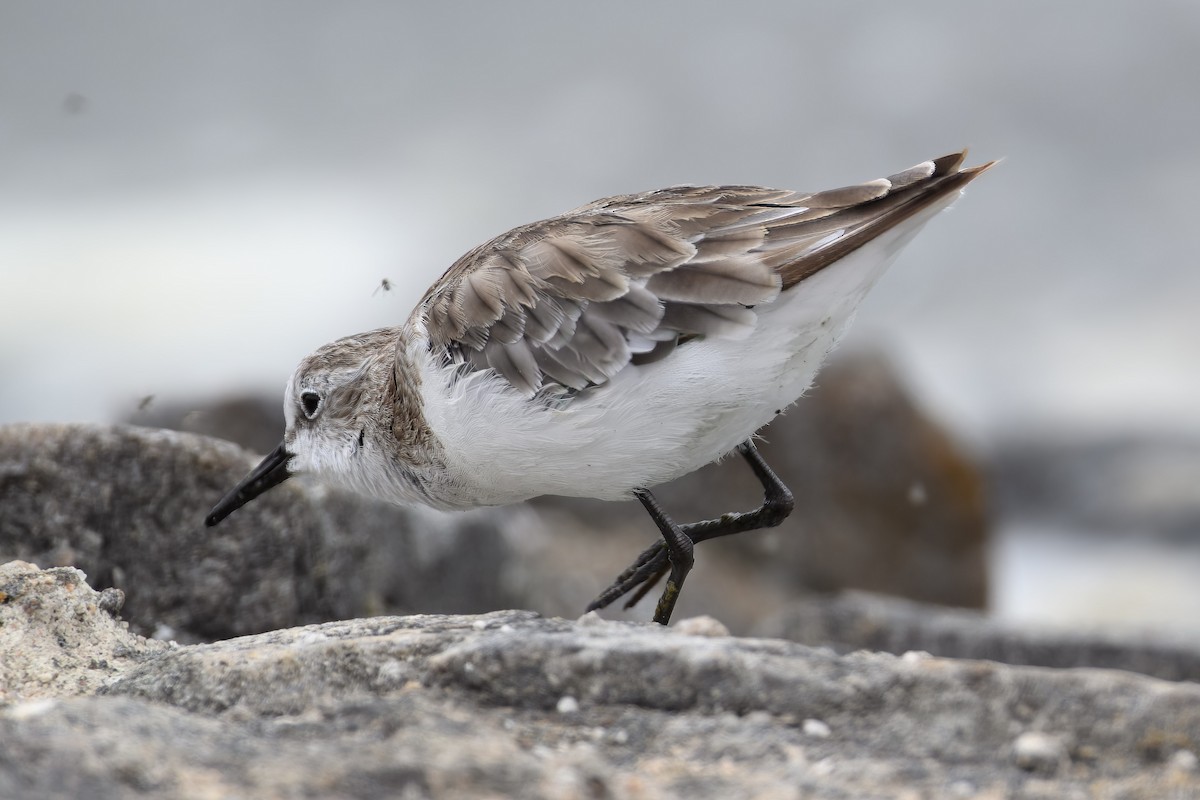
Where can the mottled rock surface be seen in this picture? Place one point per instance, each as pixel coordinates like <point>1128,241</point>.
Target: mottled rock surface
<point>508,703</point>
<point>59,636</point>
<point>512,704</point>
<point>858,621</point>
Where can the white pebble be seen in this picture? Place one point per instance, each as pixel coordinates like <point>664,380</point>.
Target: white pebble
<point>816,728</point>
<point>591,619</point>
<point>1038,751</point>
<point>567,704</point>
<point>701,626</point>
<point>1184,761</point>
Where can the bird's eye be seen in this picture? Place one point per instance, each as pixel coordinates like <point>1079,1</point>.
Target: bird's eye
<point>311,402</point>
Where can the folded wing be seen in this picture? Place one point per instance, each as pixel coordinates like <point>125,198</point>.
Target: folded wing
<point>570,301</point>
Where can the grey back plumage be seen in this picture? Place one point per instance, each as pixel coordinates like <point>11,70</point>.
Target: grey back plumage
<point>573,299</point>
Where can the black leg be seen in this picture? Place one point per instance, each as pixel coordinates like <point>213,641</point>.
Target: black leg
<point>649,567</point>
<point>678,549</point>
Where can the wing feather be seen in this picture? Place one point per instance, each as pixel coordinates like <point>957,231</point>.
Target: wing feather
<point>570,301</point>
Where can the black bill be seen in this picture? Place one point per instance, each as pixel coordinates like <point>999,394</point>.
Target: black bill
<point>271,472</point>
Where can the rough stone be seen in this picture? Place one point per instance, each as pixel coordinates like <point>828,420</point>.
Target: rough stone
<point>58,636</point>
<point>512,704</point>
<point>856,621</point>
<point>1121,484</point>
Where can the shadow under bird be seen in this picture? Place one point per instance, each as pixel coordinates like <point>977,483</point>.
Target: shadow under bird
<point>603,352</point>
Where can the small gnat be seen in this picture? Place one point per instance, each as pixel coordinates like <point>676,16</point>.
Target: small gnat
<point>603,352</point>
<point>384,286</point>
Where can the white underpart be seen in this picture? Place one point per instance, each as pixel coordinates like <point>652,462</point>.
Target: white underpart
<point>653,423</point>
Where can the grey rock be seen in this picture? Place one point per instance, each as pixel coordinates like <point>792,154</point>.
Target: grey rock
<point>856,621</point>
<point>58,636</point>
<point>512,704</point>
<point>1116,484</point>
<point>126,505</point>
<point>256,423</point>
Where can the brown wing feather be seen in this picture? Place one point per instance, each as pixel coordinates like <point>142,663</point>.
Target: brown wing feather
<point>574,299</point>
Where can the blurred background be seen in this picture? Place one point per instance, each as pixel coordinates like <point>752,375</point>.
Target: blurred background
<point>194,196</point>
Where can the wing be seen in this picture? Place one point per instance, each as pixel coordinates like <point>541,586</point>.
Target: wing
<point>574,299</point>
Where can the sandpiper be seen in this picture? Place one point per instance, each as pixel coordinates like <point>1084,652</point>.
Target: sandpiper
<point>603,352</point>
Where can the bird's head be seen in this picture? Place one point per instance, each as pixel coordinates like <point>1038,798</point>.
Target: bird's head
<point>329,405</point>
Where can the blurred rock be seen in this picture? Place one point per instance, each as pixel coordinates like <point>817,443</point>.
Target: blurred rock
<point>127,504</point>
<point>858,621</point>
<point>885,500</point>
<point>256,423</point>
<point>1118,484</point>
<point>509,704</point>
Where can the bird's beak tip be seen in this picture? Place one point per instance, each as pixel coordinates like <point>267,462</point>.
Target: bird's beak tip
<point>272,471</point>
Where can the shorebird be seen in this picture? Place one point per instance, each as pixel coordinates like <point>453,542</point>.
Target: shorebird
<point>603,352</point>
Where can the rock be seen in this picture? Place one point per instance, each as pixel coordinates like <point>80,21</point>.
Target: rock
<point>127,504</point>
<point>512,704</point>
<point>256,423</point>
<point>58,636</point>
<point>886,501</point>
<point>1115,485</point>
<point>856,621</point>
